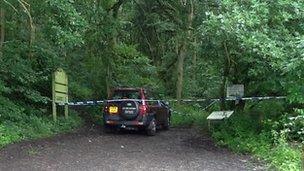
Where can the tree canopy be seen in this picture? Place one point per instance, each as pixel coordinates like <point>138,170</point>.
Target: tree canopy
<point>184,48</point>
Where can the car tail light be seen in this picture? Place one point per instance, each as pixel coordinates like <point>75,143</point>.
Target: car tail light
<point>142,109</point>
<point>106,109</point>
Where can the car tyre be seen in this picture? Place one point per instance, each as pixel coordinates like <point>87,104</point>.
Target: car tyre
<point>151,129</point>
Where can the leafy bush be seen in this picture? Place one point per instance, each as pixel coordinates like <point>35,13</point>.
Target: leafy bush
<point>93,115</point>
<point>283,157</point>
<point>240,134</point>
<point>187,116</point>
<point>33,127</point>
<point>10,111</point>
<point>294,126</point>
<point>247,132</point>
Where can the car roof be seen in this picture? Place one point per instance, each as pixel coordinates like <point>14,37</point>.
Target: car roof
<point>128,88</point>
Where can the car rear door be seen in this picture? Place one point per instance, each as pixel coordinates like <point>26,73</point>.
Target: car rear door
<point>161,113</point>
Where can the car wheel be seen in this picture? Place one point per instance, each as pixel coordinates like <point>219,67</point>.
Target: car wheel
<point>166,125</point>
<point>151,129</point>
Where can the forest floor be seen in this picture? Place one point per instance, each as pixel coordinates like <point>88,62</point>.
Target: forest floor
<point>90,149</point>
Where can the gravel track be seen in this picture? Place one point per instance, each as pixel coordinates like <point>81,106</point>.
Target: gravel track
<point>89,149</point>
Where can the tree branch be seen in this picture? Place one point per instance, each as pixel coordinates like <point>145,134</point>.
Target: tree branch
<point>116,7</point>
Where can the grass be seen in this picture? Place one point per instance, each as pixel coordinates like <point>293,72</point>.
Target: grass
<point>244,134</point>
<point>188,116</point>
<point>34,127</point>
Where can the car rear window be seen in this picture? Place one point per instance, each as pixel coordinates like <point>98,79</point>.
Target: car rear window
<point>126,94</point>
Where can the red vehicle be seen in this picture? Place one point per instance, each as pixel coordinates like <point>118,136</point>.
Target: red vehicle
<point>128,108</point>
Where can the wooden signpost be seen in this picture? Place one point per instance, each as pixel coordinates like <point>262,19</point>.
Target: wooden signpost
<point>60,91</point>
<point>302,157</point>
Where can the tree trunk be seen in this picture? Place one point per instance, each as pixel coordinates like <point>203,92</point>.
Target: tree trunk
<point>225,77</point>
<point>32,34</point>
<point>108,80</point>
<point>194,61</point>
<point>183,51</point>
<point>223,88</point>
<point>114,11</point>
<point>180,72</point>
<point>26,8</point>
<point>2,27</point>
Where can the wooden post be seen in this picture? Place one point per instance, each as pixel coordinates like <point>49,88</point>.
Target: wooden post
<point>53,99</point>
<point>54,112</point>
<point>66,111</point>
<point>302,157</point>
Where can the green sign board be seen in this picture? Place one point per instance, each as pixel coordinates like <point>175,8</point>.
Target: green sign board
<point>60,91</point>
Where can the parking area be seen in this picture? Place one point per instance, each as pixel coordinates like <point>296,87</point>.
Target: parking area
<point>89,149</point>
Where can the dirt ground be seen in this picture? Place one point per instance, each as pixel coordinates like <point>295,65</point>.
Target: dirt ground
<point>89,149</point>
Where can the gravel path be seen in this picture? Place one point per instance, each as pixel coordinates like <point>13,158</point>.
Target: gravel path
<point>88,149</point>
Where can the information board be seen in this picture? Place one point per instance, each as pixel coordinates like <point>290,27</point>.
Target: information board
<point>219,115</point>
<point>236,90</point>
<point>60,86</point>
<point>60,90</point>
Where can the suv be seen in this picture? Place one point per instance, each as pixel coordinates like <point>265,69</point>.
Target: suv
<point>128,108</point>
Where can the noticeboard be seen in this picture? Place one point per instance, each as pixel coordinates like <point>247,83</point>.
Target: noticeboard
<point>60,86</point>
<point>60,91</point>
<point>236,90</point>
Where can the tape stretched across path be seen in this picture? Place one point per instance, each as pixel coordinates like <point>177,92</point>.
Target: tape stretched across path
<point>98,102</point>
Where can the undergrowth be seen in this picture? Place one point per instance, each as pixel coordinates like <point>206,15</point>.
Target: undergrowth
<point>242,135</point>
<point>188,116</point>
<point>257,130</point>
<point>34,127</point>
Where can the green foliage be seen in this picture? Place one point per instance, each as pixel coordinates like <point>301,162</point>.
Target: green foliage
<point>284,157</point>
<point>241,139</point>
<point>246,134</point>
<point>130,61</point>
<point>93,115</point>
<point>259,131</point>
<point>294,126</point>
<point>108,43</point>
<point>33,127</point>
<point>80,92</point>
<point>65,26</point>
<point>188,116</point>
<point>10,111</point>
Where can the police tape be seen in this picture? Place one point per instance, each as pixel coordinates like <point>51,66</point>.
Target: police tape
<point>213,100</point>
<point>231,99</point>
<point>83,103</point>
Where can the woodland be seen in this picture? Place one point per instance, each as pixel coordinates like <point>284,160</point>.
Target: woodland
<point>176,48</point>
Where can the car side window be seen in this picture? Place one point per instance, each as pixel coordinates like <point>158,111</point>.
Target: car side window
<point>153,103</point>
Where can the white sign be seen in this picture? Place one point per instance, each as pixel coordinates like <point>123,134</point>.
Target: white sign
<point>236,90</point>
<point>219,115</point>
